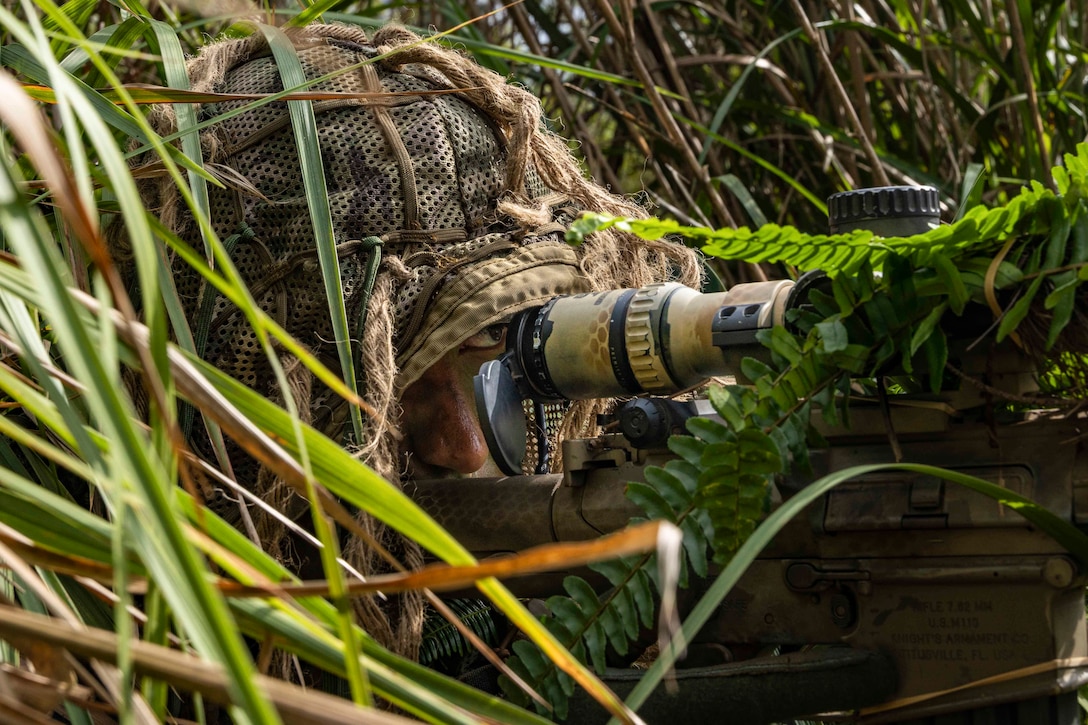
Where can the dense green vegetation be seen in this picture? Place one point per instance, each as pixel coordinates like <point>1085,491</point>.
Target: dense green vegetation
<point>723,115</point>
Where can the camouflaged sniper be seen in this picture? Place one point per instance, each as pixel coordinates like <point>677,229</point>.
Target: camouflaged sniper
<point>467,192</point>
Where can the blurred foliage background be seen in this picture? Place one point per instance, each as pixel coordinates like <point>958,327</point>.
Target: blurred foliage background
<point>735,113</point>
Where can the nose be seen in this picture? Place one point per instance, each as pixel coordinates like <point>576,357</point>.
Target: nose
<point>442,432</point>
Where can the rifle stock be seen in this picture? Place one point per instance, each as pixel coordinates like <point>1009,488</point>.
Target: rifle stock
<point>971,605</point>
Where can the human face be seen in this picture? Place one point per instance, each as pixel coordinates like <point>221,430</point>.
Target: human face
<point>442,435</point>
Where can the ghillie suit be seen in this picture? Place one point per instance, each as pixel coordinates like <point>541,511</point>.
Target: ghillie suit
<point>469,196</point>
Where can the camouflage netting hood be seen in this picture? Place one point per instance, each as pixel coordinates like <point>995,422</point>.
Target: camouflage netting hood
<point>467,193</point>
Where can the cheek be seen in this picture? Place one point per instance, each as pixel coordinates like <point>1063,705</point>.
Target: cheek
<point>443,388</point>
<point>439,419</point>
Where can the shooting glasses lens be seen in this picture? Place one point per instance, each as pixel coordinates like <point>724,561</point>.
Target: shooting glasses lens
<point>502,418</point>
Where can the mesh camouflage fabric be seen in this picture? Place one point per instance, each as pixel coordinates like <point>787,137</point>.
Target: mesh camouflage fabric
<point>467,192</point>
<point>470,198</point>
<point>423,172</point>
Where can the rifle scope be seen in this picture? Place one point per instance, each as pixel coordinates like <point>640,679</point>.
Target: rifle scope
<point>660,339</point>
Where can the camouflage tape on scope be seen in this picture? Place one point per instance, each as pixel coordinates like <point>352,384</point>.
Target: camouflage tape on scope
<point>619,342</point>
<point>657,339</point>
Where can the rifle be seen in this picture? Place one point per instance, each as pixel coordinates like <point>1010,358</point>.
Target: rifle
<point>897,597</point>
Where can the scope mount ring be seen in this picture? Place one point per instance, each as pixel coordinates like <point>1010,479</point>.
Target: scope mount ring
<point>645,312</point>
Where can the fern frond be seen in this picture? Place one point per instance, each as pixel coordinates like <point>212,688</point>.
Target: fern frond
<point>590,623</point>
<point>885,307</point>
<point>980,231</point>
<point>634,586</point>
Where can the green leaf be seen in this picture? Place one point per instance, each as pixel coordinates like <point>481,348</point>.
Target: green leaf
<point>625,607</point>
<point>834,335</point>
<point>844,294</point>
<point>953,283</point>
<point>586,224</point>
<point>936,352</point>
<point>754,369</point>
<point>613,626</point>
<point>758,452</point>
<point>307,143</point>
<point>1059,236</point>
<point>1008,274</point>
<point>796,432</point>
<point>616,571</point>
<point>685,473</point>
<point>1015,314</point>
<point>710,430</point>
<point>568,614</point>
<point>853,359</point>
<point>537,667</point>
<point>1062,301</point>
<point>728,406</point>
<point>1079,234</point>
<point>784,344</point>
<point>971,190</point>
<point>695,545</point>
<point>741,191</point>
<point>781,436</point>
<point>687,447</point>
<point>720,457</point>
<point>883,317</point>
<point>649,500</point>
<point>925,327</point>
<point>669,486</point>
<point>864,282</point>
<point>642,591</point>
<point>993,222</point>
<point>594,635</point>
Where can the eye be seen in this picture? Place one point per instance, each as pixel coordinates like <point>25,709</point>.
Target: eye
<point>491,336</point>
